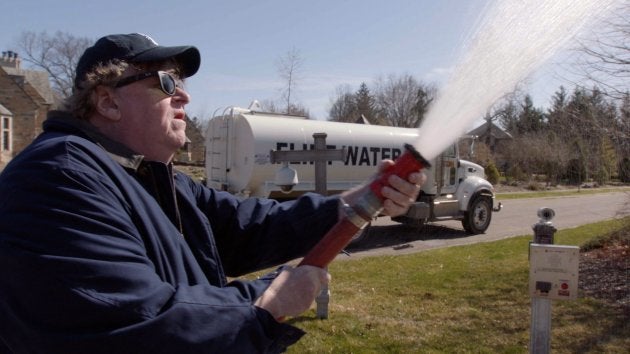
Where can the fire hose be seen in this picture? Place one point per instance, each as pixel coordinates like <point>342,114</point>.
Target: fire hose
<point>363,210</point>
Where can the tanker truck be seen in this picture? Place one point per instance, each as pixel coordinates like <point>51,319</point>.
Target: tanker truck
<point>240,142</point>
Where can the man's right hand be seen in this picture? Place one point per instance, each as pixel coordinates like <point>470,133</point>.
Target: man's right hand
<point>293,291</point>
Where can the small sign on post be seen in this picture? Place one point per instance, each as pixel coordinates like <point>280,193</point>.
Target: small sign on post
<point>553,271</point>
<point>553,274</point>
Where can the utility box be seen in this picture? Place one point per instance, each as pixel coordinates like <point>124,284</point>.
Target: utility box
<point>553,272</point>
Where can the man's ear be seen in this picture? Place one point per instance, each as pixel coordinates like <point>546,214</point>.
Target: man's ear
<point>105,103</point>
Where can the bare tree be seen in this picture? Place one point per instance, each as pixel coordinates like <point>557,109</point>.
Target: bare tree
<point>289,68</point>
<point>605,57</point>
<point>297,109</point>
<point>345,105</point>
<point>535,153</point>
<point>402,101</point>
<point>270,106</point>
<point>57,55</point>
<point>605,60</point>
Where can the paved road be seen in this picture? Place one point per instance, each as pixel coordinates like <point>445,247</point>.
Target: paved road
<point>517,218</point>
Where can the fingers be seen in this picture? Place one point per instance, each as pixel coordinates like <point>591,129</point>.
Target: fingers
<point>318,277</point>
<point>400,193</point>
<point>409,187</point>
<point>384,165</point>
<point>293,291</point>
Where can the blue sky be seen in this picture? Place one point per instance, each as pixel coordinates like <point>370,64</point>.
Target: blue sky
<point>341,42</point>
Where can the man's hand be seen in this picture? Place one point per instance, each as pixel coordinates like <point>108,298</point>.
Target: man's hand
<point>398,195</point>
<point>293,291</point>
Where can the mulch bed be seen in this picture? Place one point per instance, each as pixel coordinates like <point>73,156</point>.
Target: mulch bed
<point>605,275</point>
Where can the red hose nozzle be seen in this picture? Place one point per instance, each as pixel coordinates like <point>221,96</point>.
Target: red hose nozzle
<point>410,161</point>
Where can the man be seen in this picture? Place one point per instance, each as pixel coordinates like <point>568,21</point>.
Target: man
<point>104,248</point>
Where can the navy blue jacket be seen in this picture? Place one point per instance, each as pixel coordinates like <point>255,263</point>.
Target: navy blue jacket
<point>103,252</point>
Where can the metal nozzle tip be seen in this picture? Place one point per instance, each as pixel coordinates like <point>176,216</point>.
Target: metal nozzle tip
<point>417,156</point>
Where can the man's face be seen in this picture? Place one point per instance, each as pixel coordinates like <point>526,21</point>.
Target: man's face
<point>151,122</point>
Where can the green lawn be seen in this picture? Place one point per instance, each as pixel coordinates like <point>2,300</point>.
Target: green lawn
<point>559,193</point>
<point>467,299</point>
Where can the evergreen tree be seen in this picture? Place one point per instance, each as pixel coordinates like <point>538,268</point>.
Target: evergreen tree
<point>365,104</point>
<point>557,117</point>
<point>508,115</point>
<point>531,119</point>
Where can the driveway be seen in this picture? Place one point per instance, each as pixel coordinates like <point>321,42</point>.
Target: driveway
<point>386,237</point>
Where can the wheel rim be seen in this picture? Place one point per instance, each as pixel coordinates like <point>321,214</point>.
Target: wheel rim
<point>480,216</point>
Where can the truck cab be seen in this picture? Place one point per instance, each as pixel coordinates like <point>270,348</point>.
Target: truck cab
<point>455,189</point>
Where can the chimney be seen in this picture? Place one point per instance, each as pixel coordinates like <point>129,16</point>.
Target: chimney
<point>10,59</point>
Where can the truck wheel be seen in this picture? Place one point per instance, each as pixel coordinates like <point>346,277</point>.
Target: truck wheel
<point>477,217</point>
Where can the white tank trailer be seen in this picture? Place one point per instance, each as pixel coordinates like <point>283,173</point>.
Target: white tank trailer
<point>238,160</point>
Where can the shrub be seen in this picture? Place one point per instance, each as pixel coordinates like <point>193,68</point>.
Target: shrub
<point>533,186</point>
<point>515,173</point>
<point>576,171</point>
<point>624,170</point>
<point>492,174</point>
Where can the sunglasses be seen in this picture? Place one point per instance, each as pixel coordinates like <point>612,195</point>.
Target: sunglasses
<point>168,84</point>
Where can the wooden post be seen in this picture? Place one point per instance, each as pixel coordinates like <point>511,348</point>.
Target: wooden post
<point>323,298</point>
<point>320,155</point>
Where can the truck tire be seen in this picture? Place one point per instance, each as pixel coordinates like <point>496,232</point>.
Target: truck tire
<point>477,217</point>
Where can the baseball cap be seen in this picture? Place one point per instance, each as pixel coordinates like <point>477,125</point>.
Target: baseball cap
<point>135,48</point>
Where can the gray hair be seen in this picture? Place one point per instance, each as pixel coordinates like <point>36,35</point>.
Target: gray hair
<point>82,104</point>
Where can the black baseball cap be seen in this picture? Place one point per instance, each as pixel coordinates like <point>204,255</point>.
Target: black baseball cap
<point>135,48</point>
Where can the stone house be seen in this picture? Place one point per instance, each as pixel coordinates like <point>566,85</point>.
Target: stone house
<point>25,99</point>
<point>6,141</point>
<point>495,138</point>
<point>492,135</point>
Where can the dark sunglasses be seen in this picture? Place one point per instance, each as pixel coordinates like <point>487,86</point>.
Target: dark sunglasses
<point>168,84</point>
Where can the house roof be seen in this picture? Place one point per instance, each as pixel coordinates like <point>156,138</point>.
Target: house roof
<point>494,129</point>
<point>4,111</point>
<point>38,80</point>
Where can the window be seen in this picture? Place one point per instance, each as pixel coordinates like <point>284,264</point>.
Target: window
<point>451,151</point>
<point>5,134</point>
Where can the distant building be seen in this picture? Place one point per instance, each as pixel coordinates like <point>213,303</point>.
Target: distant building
<point>194,151</point>
<point>25,99</point>
<point>495,138</point>
<point>6,138</point>
<point>491,135</point>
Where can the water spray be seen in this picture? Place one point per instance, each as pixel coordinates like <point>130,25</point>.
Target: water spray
<point>360,213</point>
<point>515,39</point>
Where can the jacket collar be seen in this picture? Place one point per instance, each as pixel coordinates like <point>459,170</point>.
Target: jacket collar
<point>64,121</point>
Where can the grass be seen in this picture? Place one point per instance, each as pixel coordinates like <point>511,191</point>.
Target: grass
<point>468,299</point>
<point>559,193</point>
